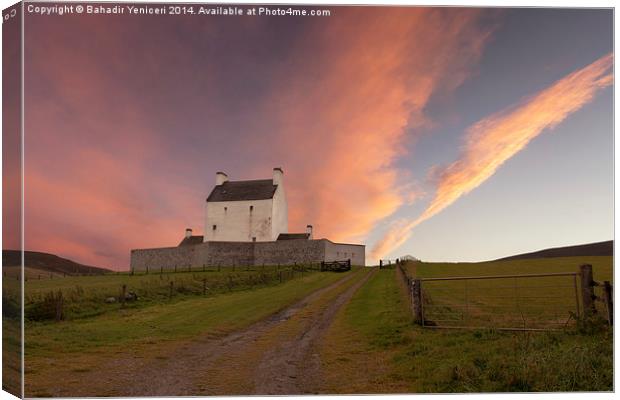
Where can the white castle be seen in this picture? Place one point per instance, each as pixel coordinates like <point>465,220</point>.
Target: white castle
<point>246,223</point>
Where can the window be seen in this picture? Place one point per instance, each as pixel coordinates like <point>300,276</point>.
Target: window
<point>214,227</point>
<point>254,239</point>
<point>225,209</point>
<point>251,208</point>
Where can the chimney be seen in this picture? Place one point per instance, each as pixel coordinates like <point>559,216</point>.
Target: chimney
<point>220,178</point>
<point>188,233</point>
<point>278,176</point>
<point>309,230</point>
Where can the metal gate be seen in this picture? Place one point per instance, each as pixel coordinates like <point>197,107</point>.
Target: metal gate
<point>512,302</point>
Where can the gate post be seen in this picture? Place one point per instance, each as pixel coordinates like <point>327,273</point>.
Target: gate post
<point>416,298</point>
<point>380,264</point>
<point>609,302</point>
<point>587,290</point>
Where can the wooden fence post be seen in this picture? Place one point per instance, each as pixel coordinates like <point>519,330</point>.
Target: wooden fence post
<point>416,298</point>
<point>123,294</point>
<point>609,302</point>
<point>59,306</point>
<point>587,290</point>
<point>147,269</point>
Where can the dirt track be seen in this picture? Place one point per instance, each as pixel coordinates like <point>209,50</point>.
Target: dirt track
<point>277,355</point>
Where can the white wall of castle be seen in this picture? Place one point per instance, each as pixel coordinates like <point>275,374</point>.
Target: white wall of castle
<point>239,221</point>
<point>280,213</point>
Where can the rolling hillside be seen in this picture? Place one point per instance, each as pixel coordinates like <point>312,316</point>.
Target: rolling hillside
<point>590,249</point>
<point>48,262</point>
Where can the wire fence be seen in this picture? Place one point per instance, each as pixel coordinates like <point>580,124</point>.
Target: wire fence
<point>550,301</point>
<point>528,302</point>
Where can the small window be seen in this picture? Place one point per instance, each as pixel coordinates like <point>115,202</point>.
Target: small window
<point>214,227</point>
<point>251,208</point>
<point>254,239</point>
<point>225,209</point>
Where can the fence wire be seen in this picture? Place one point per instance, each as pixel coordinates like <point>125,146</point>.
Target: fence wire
<point>537,302</point>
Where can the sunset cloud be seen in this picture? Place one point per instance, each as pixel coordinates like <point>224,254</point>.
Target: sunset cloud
<point>123,138</point>
<point>495,139</point>
<point>342,114</point>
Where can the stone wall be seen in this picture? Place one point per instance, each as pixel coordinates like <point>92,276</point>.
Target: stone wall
<point>228,254</point>
<point>165,258</point>
<point>289,251</point>
<point>285,252</point>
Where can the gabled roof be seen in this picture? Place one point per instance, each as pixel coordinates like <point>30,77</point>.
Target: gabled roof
<point>262,189</point>
<point>292,236</point>
<point>191,240</point>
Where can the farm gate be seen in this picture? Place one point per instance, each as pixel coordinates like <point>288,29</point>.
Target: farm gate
<point>549,301</point>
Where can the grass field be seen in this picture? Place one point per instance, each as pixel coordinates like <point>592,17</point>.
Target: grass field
<point>86,343</point>
<point>11,337</point>
<point>375,334</point>
<point>371,345</point>
<point>85,296</point>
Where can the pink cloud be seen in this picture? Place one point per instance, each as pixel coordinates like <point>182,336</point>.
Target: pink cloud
<point>493,140</point>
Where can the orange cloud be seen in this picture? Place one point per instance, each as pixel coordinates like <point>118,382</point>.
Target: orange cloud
<point>342,114</point>
<point>495,139</point>
<point>122,139</point>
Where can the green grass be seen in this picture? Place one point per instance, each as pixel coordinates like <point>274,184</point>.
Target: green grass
<point>84,296</point>
<point>168,321</point>
<point>601,265</point>
<point>403,357</point>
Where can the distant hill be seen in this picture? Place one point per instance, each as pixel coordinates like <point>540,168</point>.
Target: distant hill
<point>48,262</point>
<point>590,249</point>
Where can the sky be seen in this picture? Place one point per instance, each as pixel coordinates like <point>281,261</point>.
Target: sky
<point>451,134</point>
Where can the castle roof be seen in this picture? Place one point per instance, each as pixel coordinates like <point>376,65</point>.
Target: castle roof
<point>261,189</point>
<point>191,240</point>
<point>293,236</point>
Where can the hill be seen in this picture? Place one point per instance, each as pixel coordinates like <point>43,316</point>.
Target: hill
<point>48,262</point>
<point>591,249</point>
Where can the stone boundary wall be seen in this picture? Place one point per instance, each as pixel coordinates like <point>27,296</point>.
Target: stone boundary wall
<point>284,252</point>
<point>289,252</point>
<point>165,258</point>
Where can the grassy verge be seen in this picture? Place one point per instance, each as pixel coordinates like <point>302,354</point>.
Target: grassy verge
<point>374,347</point>
<point>86,296</point>
<point>167,322</point>
<point>69,350</point>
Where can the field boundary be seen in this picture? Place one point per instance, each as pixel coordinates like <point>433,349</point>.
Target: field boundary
<point>515,302</point>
